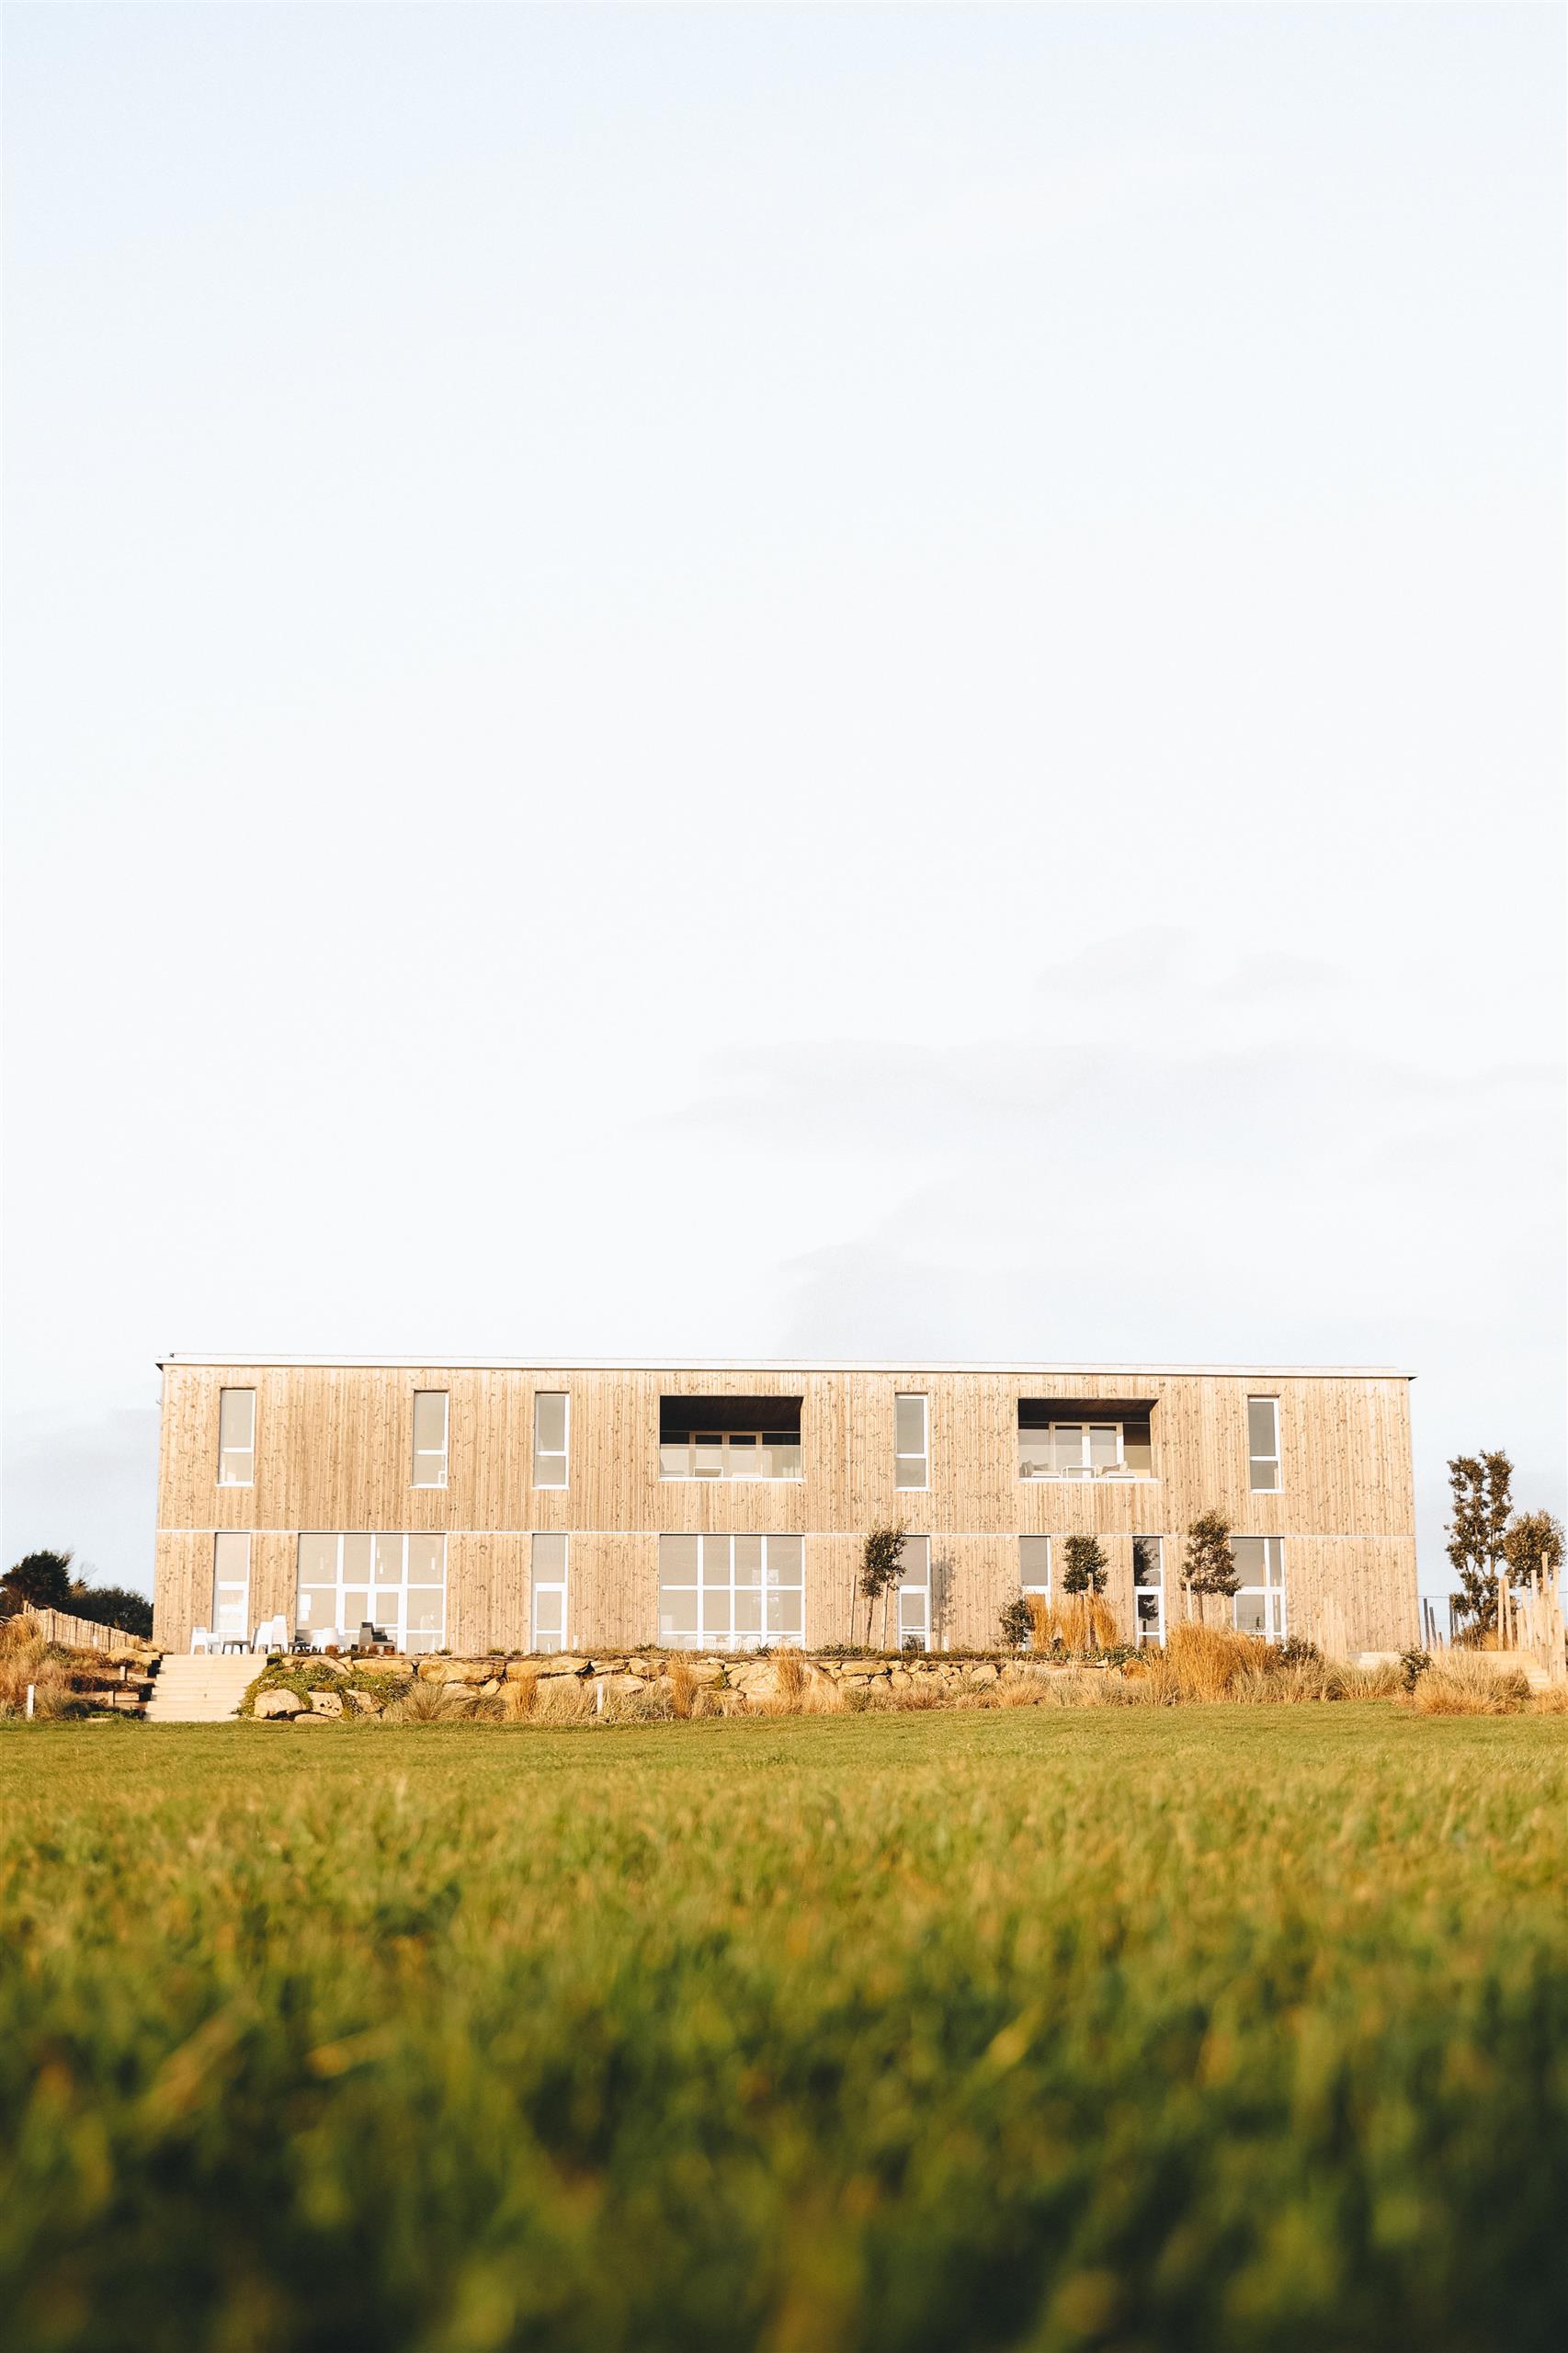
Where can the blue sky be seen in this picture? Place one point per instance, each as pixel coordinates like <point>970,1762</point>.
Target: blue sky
<point>766,681</point>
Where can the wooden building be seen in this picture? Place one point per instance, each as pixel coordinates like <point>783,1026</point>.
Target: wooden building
<point>474,1506</point>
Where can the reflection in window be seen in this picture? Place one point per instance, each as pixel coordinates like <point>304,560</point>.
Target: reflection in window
<point>1260,1598</point>
<point>236,1437</point>
<point>731,1591</point>
<point>395,1584</point>
<point>549,1437</point>
<point>910,1446</point>
<point>430,1438</point>
<point>548,1564</point>
<point>1262,1444</point>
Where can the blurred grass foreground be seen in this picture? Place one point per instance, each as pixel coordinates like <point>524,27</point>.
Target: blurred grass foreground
<point>1201,2029</point>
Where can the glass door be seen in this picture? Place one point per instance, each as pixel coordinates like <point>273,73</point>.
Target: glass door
<point>1148,1589</point>
<point>230,1588</point>
<point>548,1593</point>
<point>914,1594</point>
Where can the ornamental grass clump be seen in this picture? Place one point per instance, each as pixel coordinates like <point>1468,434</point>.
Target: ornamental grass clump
<point>26,1658</point>
<point>1470,1683</point>
<point>1078,1625</point>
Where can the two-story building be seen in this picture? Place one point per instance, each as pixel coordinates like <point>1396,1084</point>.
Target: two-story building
<point>469,1506</point>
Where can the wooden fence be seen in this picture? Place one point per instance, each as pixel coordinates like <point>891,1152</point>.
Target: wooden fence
<point>82,1633</point>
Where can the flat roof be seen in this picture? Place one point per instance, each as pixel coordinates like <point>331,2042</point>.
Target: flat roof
<point>788,1364</point>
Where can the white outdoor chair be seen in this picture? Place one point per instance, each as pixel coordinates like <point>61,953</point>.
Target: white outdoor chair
<point>269,1635</point>
<point>199,1641</point>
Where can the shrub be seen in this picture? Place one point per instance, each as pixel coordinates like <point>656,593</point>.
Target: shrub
<point>1412,1665</point>
<point>1016,1623</point>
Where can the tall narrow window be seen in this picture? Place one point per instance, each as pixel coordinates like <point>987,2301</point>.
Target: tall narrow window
<point>1148,1589</point>
<point>914,1595</point>
<point>231,1580</point>
<point>911,1445</point>
<point>549,1437</point>
<point>1263,1443</point>
<point>236,1437</point>
<point>429,1437</point>
<point>1260,1601</point>
<point>548,1593</point>
<point>1034,1565</point>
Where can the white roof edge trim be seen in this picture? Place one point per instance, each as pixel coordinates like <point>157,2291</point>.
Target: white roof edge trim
<point>785,1364</point>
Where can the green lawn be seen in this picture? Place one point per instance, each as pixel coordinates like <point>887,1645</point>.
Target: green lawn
<point>1207,2029</point>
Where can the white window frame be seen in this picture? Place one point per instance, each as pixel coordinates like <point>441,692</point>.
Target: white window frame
<point>1144,1629</point>
<point>227,1478</point>
<point>720,1442</point>
<point>913,1486</point>
<point>341,1583</point>
<point>564,1456</point>
<point>917,1591</point>
<point>729,1638</point>
<point>227,1582</point>
<point>552,1584</point>
<point>428,1454</point>
<point>1032,1584</point>
<point>1271,1461</point>
<point>1085,1467</point>
<point>1276,1624</point>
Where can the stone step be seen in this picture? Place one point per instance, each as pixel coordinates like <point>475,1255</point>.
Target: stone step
<point>198,1690</point>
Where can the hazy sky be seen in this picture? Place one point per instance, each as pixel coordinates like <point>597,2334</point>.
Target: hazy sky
<point>782,682</point>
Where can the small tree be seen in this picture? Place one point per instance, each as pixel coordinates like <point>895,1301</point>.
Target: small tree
<point>1086,1566</point>
<point>1209,1566</point>
<point>38,1581</point>
<point>1482,1490</point>
<point>882,1566</point>
<point>1532,1547</point>
<point>1018,1625</point>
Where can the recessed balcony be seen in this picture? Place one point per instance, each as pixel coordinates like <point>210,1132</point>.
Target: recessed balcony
<point>1058,1440</point>
<point>730,1437</point>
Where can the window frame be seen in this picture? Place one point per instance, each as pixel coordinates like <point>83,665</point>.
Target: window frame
<point>416,1450</point>
<point>1141,1632</point>
<point>723,1440</point>
<point>924,1590</point>
<point>921,1486</point>
<point>564,1456</point>
<point>225,1451</point>
<point>731,1638</point>
<point>1274,1461</point>
<point>341,1583</point>
<point>539,1585</point>
<point>1271,1592</point>
<point>217,1631</point>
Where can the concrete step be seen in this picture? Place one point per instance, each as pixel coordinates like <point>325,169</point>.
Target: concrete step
<point>201,1690</point>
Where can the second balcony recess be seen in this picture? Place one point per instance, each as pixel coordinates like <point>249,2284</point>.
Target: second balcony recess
<point>1086,1439</point>
<point>730,1437</point>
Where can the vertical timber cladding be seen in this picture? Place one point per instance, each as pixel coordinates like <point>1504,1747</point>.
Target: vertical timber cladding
<point>333,1451</point>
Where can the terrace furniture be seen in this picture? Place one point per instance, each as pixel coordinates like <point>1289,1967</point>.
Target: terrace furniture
<point>200,1641</point>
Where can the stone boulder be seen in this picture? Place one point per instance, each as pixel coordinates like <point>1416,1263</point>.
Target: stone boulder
<point>278,1707</point>
<point>326,1704</point>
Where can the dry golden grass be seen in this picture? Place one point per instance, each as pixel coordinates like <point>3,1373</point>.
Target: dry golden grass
<point>683,1687</point>
<point>1079,1621</point>
<point>1203,1662</point>
<point>790,1675</point>
<point>1470,1683</point>
<point>520,1697</point>
<point>25,1658</point>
